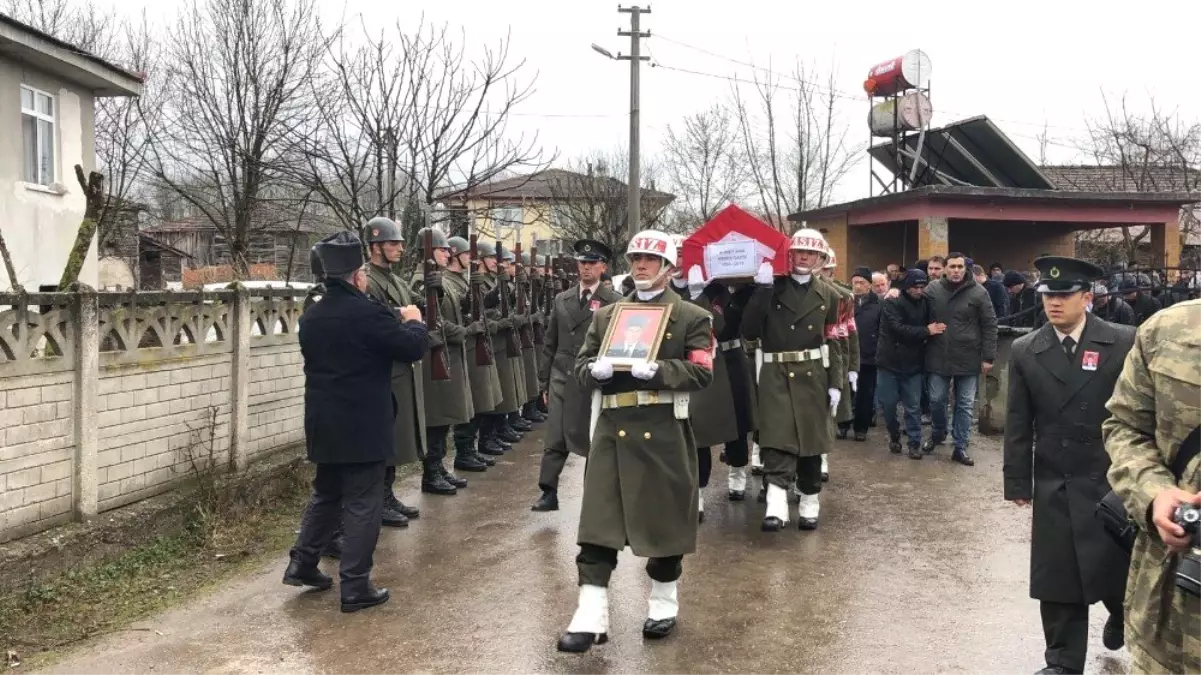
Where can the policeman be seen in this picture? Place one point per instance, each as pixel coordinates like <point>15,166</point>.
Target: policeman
<point>640,486</point>
<point>349,344</point>
<point>1154,427</point>
<point>569,403</point>
<point>481,370</point>
<point>386,246</point>
<point>731,391</point>
<point>495,433</point>
<point>1060,377</point>
<point>796,320</point>
<point>448,401</point>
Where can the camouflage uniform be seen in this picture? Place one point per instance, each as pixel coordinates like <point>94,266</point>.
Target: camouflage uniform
<point>1155,405</point>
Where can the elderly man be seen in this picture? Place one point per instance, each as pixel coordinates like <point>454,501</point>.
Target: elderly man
<point>349,344</point>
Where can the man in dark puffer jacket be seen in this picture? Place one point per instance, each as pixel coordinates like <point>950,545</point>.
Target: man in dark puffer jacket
<point>905,326</point>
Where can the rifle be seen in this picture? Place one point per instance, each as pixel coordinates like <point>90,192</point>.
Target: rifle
<point>511,347</point>
<point>483,343</point>
<point>539,300</point>
<point>439,366</point>
<point>527,341</point>
<point>549,283</point>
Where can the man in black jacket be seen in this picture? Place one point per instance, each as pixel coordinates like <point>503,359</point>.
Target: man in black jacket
<point>1139,300</point>
<point>349,343</point>
<point>905,326</point>
<point>867,324</point>
<point>1112,308</point>
<point>1023,300</point>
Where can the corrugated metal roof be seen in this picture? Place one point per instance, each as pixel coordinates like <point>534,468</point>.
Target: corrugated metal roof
<point>970,152</point>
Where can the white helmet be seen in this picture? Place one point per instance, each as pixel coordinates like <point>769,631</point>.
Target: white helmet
<point>831,260</point>
<point>654,242</point>
<point>809,239</point>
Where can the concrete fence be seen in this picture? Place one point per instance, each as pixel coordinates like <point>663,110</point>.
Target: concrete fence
<point>106,399</point>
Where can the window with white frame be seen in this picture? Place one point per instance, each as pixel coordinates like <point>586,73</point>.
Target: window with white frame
<point>37,134</point>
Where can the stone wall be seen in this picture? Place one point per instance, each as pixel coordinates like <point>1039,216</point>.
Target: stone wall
<point>107,398</point>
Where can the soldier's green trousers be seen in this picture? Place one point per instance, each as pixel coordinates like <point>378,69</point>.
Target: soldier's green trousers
<point>596,565</point>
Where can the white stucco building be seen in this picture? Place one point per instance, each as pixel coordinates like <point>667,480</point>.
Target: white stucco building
<point>48,90</point>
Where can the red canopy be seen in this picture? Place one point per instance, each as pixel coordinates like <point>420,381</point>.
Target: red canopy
<point>734,224</point>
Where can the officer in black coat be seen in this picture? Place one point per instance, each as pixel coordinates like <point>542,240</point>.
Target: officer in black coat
<point>349,343</point>
<point>1060,377</point>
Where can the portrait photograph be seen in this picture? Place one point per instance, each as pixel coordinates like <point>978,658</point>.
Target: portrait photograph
<point>634,334</point>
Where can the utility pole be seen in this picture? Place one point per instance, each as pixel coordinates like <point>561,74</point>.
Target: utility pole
<point>634,209</point>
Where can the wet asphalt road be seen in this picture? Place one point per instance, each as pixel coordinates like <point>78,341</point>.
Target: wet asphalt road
<point>918,566</point>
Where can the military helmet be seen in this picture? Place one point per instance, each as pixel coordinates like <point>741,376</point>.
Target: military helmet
<point>458,245</point>
<point>506,254</point>
<point>485,249</point>
<point>653,242</point>
<point>540,261</point>
<point>439,237</point>
<point>380,229</point>
<point>525,258</point>
<point>316,266</point>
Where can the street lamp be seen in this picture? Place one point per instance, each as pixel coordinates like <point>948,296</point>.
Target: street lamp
<point>602,51</point>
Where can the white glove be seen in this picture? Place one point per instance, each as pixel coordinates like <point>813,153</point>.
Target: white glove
<point>602,369</point>
<point>854,378</point>
<point>696,281</point>
<point>835,397</point>
<point>644,371</point>
<point>765,275</point>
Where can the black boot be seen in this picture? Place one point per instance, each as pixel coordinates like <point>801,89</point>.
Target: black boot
<point>541,406</point>
<point>915,451</point>
<point>549,501</point>
<point>503,431</point>
<point>373,597</point>
<point>578,643</point>
<point>334,548</point>
<point>302,575</point>
<point>391,502</point>
<point>467,460</point>
<point>860,436</point>
<point>531,413</point>
<point>1113,636</point>
<point>517,423</point>
<point>432,480</point>
<point>842,432</point>
<point>454,480</point>
<point>894,443</point>
<point>960,455</point>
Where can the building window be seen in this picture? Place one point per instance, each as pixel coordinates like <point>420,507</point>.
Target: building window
<point>37,134</point>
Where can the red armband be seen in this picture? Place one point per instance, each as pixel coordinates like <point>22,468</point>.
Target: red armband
<point>831,331</point>
<point>702,358</point>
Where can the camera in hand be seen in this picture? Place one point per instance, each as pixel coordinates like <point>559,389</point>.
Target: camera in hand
<point>1188,572</point>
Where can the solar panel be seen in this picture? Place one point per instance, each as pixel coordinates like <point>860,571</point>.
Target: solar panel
<point>970,152</point>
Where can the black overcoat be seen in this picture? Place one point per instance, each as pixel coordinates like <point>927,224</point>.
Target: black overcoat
<point>349,343</point>
<point>1054,455</point>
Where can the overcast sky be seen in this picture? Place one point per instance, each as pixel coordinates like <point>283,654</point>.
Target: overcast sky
<point>1021,62</point>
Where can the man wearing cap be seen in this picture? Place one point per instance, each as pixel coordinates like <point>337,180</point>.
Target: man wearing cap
<point>349,343</point>
<point>796,319</point>
<point>1023,301</point>
<point>1060,377</point>
<point>906,323</point>
<point>447,402</point>
<point>1111,307</point>
<point>386,246</point>
<point>640,485</point>
<point>481,377</point>
<point>1139,300</point>
<point>867,328</point>
<point>567,402</point>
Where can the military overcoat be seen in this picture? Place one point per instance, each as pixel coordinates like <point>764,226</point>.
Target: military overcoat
<point>640,486</point>
<point>1054,456</point>
<point>508,368</point>
<point>793,398</point>
<point>447,402</point>
<point>409,423</point>
<point>568,403</point>
<point>1156,405</point>
<point>483,380</point>
<point>848,343</point>
<point>529,355</point>
<point>723,411</point>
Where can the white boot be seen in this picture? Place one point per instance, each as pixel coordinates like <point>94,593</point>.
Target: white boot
<point>777,508</point>
<point>809,510</point>
<point>738,476</point>
<point>700,506</point>
<point>755,461</point>
<point>825,468</point>
<point>662,609</point>
<point>590,623</point>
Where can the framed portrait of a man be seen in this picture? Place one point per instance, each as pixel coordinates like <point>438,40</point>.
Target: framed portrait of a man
<point>634,334</point>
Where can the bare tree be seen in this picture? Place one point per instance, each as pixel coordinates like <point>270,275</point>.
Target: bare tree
<point>703,164</point>
<point>78,22</point>
<point>587,202</point>
<point>794,142</point>
<point>239,97</point>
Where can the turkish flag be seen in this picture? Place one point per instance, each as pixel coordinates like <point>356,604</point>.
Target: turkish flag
<point>734,224</point>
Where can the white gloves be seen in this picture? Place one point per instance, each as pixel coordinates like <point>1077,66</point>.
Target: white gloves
<point>696,281</point>
<point>602,369</point>
<point>835,397</point>
<point>854,378</point>
<point>765,277</point>
<point>644,371</point>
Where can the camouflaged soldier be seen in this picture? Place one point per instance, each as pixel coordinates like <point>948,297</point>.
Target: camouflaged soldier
<point>1156,406</point>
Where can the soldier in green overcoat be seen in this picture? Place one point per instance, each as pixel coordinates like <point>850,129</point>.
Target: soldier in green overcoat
<point>640,483</point>
<point>385,244</point>
<point>495,432</point>
<point>795,318</point>
<point>849,344</point>
<point>447,401</point>
<point>528,281</point>
<point>521,321</point>
<point>483,380</point>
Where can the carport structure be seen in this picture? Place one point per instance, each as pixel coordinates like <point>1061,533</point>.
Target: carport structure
<point>972,190</point>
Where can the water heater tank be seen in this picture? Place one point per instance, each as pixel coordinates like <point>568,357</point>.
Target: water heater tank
<point>907,113</point>
<point>911,70</point>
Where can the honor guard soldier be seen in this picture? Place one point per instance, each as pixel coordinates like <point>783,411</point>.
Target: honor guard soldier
<point>568,402</point>
<point>796,320</point>
<point>349,344</point>
<point>640,484</point>
<point>386,246</point>
<point>732,390</point>
<point>513,420</point>
<point>849,344</point>
<point>1060,377</point>
<point>481,377</point>
<point>447,401</point>
<point>522,280</point>
<point>495,433</point>
<point>539,289</point>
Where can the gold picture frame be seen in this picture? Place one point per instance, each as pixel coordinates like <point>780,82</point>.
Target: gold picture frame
<point>635,334</point>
